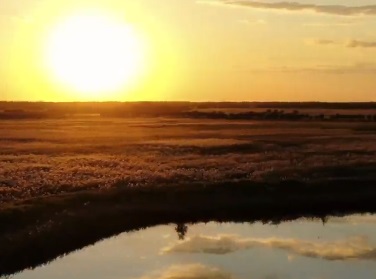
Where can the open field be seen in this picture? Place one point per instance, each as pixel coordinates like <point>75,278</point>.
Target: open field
<point>73,181</point>
<point>48,157</point>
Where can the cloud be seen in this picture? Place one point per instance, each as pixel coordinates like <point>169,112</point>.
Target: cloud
<point>321,42</point>
<point>352,248</point>
<point>191,271</point>
<point>361,44</point>
<point>350,43</point>
<point>208,245</point>
<point>340,10</point>
<point>354,220</point>
<point>357,68</point>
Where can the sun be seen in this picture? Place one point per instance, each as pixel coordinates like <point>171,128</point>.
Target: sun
<point>94,54</point>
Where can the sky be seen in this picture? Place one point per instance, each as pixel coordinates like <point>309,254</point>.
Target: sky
<point>208,50</point>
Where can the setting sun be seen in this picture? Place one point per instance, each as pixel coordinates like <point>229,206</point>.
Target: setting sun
<point>94,54</point>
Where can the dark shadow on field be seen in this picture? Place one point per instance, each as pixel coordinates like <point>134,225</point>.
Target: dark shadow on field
<point>34,232</point>
<point>243,148</point>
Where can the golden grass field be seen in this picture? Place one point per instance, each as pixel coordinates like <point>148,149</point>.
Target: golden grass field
<point>48,157</point>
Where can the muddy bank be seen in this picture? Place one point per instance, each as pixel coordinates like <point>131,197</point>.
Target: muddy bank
<point>36,231</point>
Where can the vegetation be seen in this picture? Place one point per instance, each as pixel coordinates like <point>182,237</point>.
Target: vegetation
<point>59,225</point>
<point>68,182</point>
<point>226,110</point>
<point>49,157</point>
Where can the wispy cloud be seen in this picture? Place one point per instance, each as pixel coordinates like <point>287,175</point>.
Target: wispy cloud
<point>357,68</point>
<point>341,10</point>
<point>349,43</point>
<point>191,271</point>
<point>324,42</point>
<point>353,248</point>
<point>355,220</point>
<point>361,44</point>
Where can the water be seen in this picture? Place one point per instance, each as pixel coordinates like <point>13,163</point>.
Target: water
<point>340,248</point>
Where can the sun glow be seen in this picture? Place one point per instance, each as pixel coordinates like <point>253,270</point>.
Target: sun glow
<point>94,55</point>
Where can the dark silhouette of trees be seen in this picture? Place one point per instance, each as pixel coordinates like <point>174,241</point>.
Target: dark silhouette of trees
<point>181,230</point>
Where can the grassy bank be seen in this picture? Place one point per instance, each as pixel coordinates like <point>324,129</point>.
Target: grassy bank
<point>36,231</point>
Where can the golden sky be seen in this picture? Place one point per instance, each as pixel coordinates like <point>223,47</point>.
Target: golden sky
<point>208,50</point>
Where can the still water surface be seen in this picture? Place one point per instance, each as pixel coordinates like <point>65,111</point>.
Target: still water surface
<point>340,248</point>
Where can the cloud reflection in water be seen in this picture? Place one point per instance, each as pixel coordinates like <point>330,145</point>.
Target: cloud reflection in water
<point>352,248</point>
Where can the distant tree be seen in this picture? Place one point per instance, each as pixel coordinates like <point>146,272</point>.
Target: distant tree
<point>182,230</point>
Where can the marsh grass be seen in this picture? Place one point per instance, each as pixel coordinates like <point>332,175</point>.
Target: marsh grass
<point>49,157</point>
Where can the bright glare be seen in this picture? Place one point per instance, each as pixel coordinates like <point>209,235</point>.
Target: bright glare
<point>94,55</point>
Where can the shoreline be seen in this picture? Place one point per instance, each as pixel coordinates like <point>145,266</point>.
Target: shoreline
<point>58,225</point>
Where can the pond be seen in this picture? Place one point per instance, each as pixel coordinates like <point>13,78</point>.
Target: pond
<point>337,247</point>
